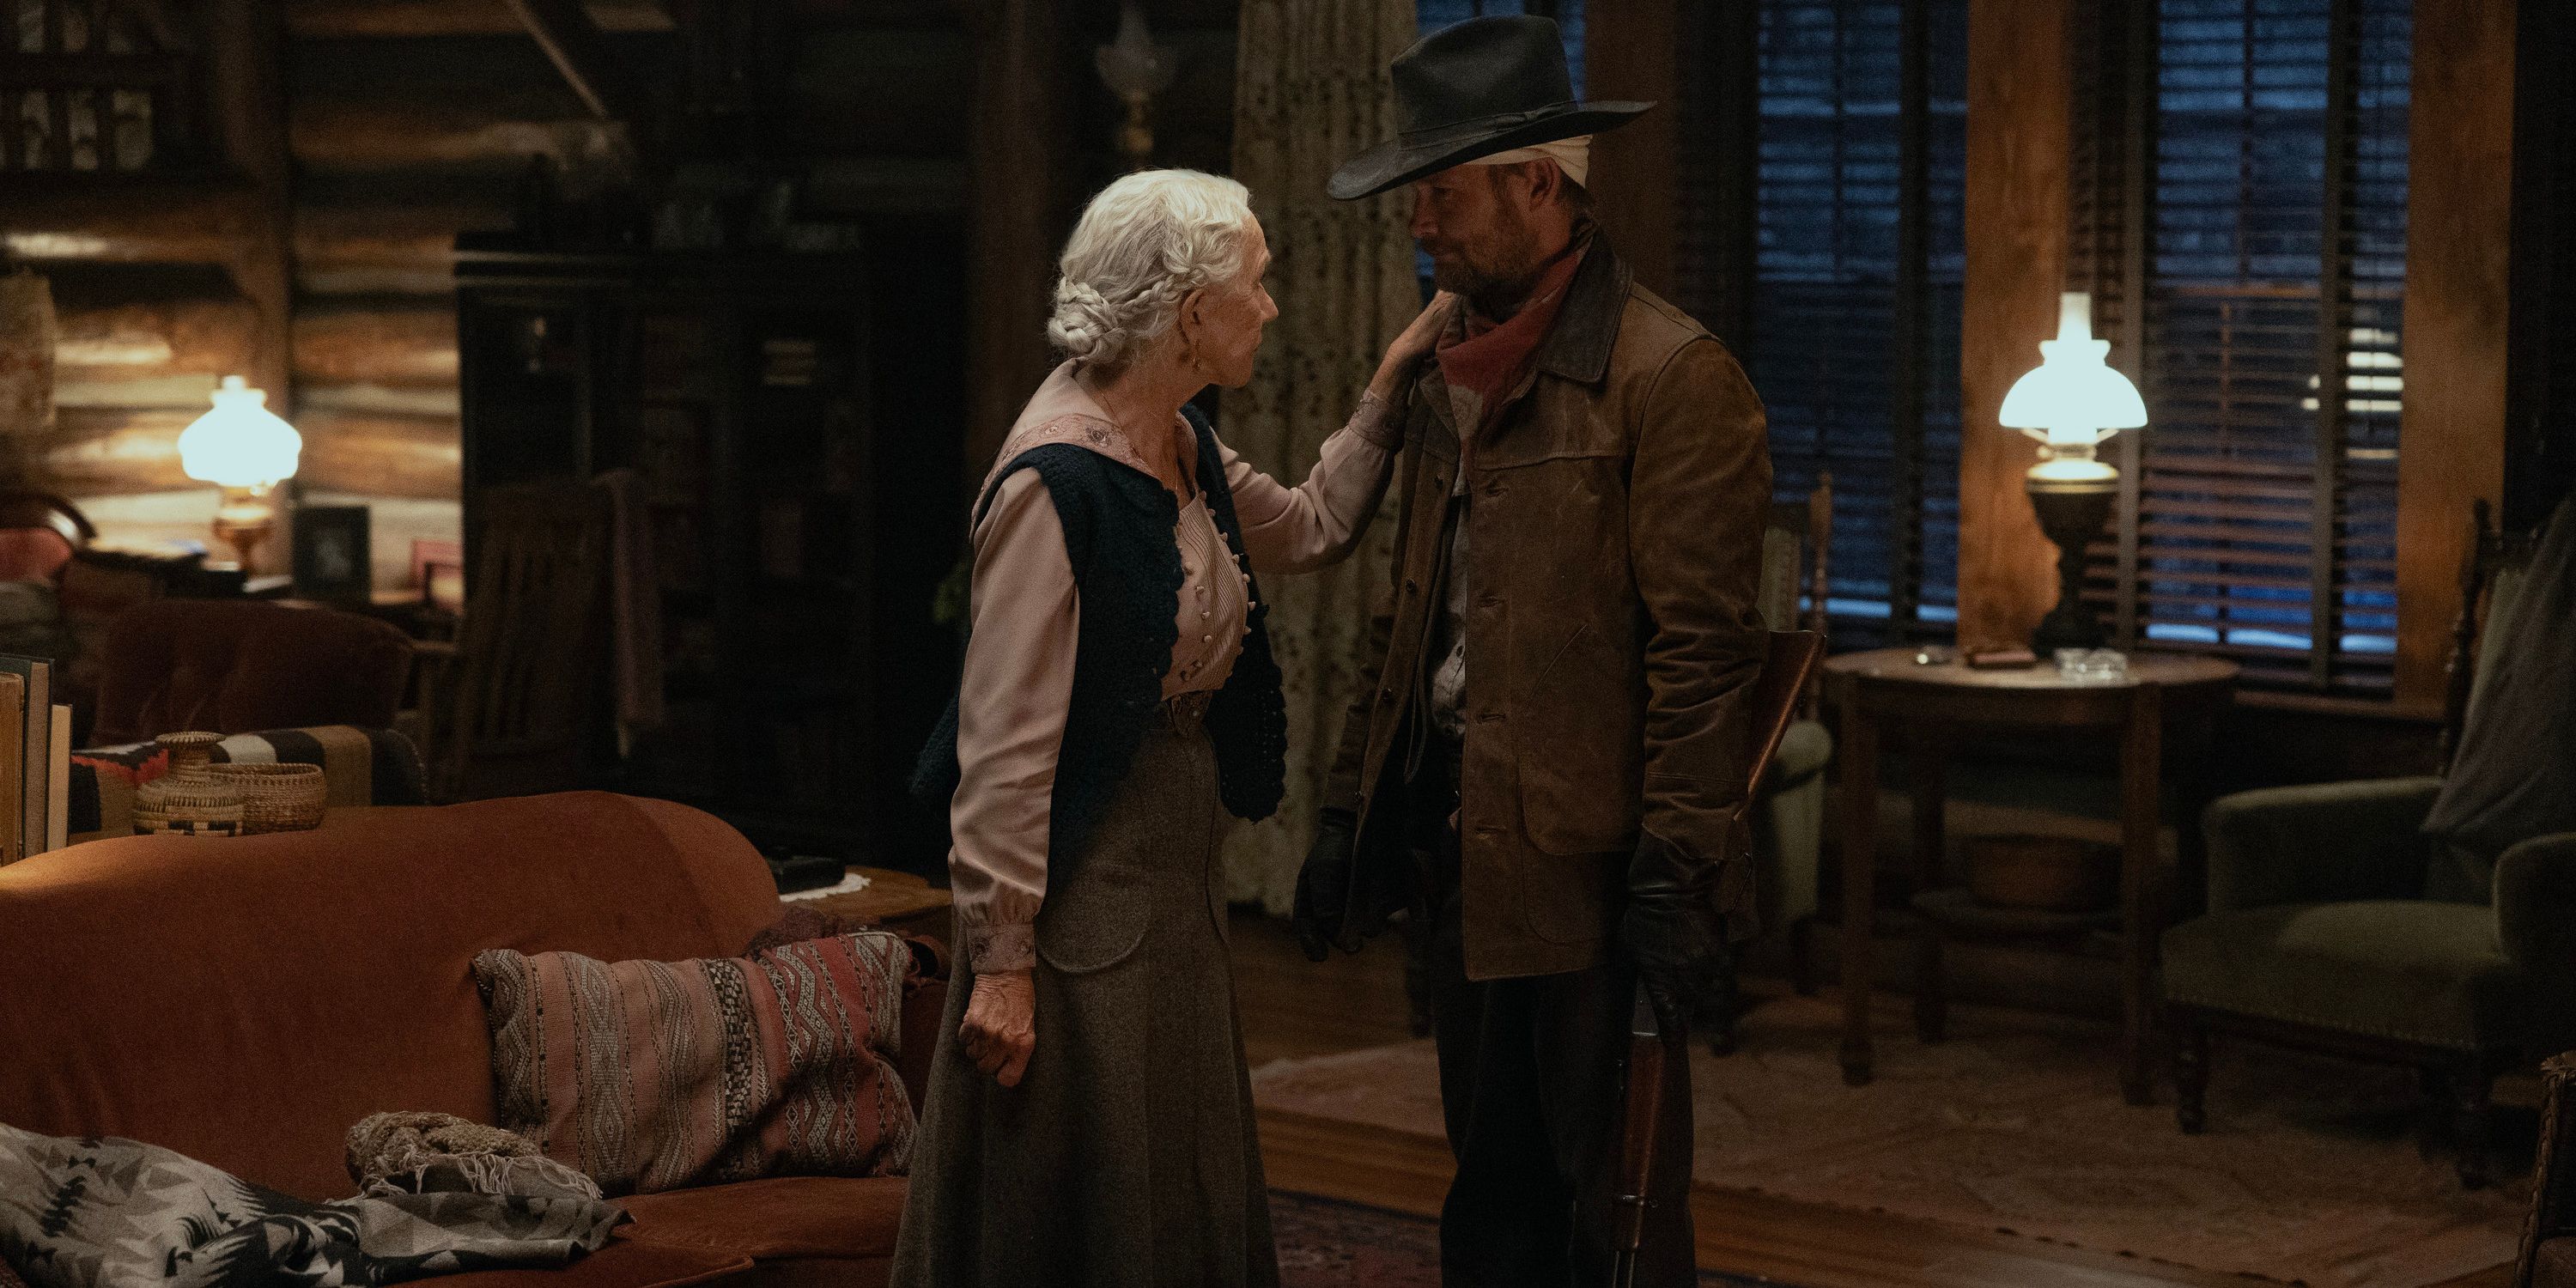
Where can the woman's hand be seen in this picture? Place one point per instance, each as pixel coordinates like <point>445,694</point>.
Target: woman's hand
<point>1415,344</point>
<point>1000,1029</point>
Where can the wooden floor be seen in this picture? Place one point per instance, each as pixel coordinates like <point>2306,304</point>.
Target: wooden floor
<point>1293,1008</point>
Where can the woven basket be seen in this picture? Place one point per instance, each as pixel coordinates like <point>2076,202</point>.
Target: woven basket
<point>276,798</point>
<point>188,800</point>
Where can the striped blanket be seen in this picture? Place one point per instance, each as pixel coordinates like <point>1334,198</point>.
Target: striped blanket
<point>359,767</point>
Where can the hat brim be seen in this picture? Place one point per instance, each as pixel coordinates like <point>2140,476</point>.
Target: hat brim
<point>1391,164</point>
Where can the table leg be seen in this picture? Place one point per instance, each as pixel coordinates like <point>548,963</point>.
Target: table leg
<point>1859,754</point>
<point>1928,751</point>
<point>2141,757</point>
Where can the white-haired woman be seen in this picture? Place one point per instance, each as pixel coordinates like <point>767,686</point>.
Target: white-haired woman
<point>1089,1121</point>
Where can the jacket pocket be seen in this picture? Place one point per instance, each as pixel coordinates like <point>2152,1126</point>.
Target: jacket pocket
<point>1579,751</point>
<point>1097,917</point>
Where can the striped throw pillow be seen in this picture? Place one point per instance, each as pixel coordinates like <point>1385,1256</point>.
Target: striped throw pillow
<point>653,1076</point>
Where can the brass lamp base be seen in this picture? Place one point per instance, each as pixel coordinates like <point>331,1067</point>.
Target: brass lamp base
<point>2072,511</point>
<point>243,519</point>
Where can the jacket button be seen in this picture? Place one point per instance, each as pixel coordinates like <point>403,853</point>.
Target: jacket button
<point>1411,586</point>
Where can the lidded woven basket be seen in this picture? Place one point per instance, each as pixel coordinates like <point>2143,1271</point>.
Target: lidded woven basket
<point>188,799</point>
<point>277,798</point>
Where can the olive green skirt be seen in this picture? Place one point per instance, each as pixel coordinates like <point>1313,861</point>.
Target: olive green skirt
<point>1128,1154</point>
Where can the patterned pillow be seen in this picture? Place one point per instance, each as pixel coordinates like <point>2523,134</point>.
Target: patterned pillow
<point>654,1076</point>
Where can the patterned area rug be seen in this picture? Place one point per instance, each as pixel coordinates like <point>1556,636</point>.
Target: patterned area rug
<point>2309,1172</point>
<point>1327,1244</point>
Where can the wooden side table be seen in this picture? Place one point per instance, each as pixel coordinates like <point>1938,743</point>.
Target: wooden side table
<point>896,900</point>
<point>1886,691</point>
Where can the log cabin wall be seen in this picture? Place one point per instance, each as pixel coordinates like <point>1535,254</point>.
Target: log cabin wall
<point>409,123</point>
<point>350,141</point>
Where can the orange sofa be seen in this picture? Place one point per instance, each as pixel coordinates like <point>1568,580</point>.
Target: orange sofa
<point>245,1001</point>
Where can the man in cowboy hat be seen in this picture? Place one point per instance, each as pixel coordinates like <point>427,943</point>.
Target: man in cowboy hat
<point>1547,766</point>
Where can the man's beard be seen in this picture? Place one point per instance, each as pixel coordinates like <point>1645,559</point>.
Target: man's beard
<point>1497,281</point>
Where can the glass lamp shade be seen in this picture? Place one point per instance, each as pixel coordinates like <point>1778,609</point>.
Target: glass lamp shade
<point>241,443</point>
<point>2073,399</point>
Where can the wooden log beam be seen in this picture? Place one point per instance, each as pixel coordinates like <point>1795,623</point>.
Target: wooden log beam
<point>2019,87</point>
<point>138,223</point>
<point>113,449</point>
<point>572,41</point>
<point>398,343</point>
<point>475,108</point>
<point>248,41</point>
<point>1021,208</point>
<point>382,455</point>
<point>386,249</point>
<point>155,340</point>
<point>2451,435</point>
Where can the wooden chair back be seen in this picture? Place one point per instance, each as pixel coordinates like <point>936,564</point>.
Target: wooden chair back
<point>1796,551</point>
<point>527,668</point>
<point>1788,667</point>
<point>2492,552</point>
<point>39,533</point>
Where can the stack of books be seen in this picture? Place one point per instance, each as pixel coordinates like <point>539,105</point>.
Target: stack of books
<point>35,759</point>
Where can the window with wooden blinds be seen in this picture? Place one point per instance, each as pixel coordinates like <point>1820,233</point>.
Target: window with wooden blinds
<point>1835,274</point>
<point>92,88</point>
<point>2240,167</point>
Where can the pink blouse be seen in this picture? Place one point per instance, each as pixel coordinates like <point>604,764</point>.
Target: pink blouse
<point>1026,619</point>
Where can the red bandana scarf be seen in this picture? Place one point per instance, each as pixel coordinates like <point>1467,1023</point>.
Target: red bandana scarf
<point>1491,358</point>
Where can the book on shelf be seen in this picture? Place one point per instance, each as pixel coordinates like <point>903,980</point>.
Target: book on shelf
<point>58,780</point>
<point>35,738</point>
<point>13,764</point>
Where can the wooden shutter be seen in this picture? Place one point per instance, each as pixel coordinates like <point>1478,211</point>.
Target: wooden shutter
<point>1846,311</point>
<point>2256,183</point>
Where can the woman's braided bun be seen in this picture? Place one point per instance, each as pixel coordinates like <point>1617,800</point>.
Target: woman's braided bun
<point>1141,247</point>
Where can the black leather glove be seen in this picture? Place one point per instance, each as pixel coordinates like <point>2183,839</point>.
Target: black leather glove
<point>1344,899</point>
<point>1671,929</point>
<point>1324,883</point>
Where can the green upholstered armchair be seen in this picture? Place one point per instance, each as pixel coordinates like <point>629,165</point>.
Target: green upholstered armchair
<point>2336,923</point>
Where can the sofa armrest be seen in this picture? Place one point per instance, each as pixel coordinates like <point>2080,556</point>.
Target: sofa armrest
<point>2319,843</point>
<point>2535,903</point>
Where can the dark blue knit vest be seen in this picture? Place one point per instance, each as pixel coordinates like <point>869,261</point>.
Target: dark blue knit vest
<point>1118,525</point>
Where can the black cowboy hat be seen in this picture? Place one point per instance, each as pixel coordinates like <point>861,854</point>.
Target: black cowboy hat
<point>1483,86</point>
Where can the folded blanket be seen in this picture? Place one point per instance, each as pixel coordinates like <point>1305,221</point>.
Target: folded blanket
<point>104,1212</point>
<point>428,1153</point>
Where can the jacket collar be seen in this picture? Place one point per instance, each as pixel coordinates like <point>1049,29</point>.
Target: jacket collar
<point>1578,348</point>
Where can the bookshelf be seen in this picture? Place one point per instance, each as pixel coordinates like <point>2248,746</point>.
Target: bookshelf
<point>739,386</point>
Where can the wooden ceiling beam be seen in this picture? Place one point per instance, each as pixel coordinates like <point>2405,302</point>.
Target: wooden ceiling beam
<point>563,28</point>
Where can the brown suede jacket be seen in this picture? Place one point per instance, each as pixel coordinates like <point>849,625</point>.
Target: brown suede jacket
<point>1614,540</point>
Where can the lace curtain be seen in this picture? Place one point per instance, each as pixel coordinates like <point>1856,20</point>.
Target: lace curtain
<point>1311,92</point>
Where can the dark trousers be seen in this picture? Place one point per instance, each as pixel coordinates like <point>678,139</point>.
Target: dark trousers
<point>1532,1077</point>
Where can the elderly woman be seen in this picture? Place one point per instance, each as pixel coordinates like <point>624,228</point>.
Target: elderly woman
<point>1089,1121</point>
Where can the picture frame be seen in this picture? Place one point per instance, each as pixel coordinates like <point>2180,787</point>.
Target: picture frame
<point>333,558</point>
<point>438,572</point>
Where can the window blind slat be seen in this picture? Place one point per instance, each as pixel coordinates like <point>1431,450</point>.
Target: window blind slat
<point>2272,211</point>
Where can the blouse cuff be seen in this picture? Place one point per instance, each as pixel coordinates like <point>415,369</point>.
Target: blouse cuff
<point>1008,946</point>
<point>1374,426</point>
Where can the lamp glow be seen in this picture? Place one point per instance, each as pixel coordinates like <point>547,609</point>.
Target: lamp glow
<point>247,450</point>
<point>2073,399</point>
<point>241,443</point>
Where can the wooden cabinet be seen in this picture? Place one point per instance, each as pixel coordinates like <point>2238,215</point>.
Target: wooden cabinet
<point>738,387</point>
